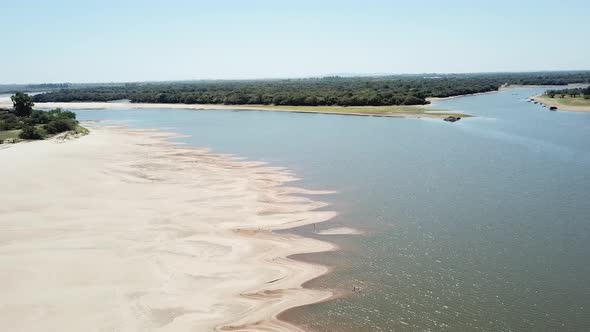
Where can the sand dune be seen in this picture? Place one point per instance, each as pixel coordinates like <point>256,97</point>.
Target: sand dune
<point>121,231</point>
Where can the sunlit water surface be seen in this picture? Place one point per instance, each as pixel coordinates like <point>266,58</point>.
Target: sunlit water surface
<point>478,225</point>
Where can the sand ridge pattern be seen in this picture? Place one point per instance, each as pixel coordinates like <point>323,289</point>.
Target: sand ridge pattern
<point>122,230</point>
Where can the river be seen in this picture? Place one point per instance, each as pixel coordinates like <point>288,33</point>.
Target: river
<point>478,225</point>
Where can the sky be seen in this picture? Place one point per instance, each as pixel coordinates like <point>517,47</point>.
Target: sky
<point>131,40</point>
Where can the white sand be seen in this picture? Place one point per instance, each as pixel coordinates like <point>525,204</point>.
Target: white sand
<point>340,231</point>
<point>121,231</point>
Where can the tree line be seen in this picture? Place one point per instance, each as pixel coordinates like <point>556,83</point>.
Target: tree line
<point>574,92</point>
<point>327,91</point>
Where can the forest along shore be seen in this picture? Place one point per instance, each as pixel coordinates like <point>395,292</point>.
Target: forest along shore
<point>388,95</point>
<point>155,236</point>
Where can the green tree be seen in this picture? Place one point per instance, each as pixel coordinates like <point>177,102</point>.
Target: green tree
<point>22,103</point>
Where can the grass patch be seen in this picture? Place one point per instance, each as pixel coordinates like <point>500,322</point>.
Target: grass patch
<point>81,130</point>
<point>569,101</point>
<point>8,134</point>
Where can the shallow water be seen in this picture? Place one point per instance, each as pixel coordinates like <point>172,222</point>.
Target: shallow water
<point>478,225</point>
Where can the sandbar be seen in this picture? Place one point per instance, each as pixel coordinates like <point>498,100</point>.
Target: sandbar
<point>121,230</point>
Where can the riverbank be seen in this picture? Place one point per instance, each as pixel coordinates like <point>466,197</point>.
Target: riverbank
<point>502,88</point>
<point>413,111</point>
<point>435,99</point>
<point>122,230</point>
<point>564,104</point>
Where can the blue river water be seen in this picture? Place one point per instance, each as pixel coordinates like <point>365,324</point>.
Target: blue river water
<point>478,225</point>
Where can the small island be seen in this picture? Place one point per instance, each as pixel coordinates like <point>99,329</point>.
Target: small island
<point>573,99</point>
<point>22,122</point>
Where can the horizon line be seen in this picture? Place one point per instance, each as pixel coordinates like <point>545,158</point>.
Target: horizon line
<point>343,75</point>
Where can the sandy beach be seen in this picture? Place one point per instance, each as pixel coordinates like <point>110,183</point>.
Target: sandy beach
<point>121,230</point>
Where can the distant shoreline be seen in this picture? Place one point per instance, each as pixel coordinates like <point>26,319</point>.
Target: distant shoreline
<point>502,88</point>
<point>394,111</point>
<point>410,111</point>
<point>431,99</point>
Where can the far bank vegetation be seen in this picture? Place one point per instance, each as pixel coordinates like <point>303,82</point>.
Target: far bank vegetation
<point>393,90</point>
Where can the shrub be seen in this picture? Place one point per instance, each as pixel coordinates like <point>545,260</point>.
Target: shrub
<point>54,121</point>
<point>9,121</point>
<point>411,100</point>
<point>59,114</point>
<point>29,132</point>
<point>60,125</point>
<point>40,117</point>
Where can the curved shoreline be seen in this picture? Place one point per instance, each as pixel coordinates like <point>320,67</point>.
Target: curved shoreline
<point>186,239</point>
<point>502,88</point>
<point>435,99</point>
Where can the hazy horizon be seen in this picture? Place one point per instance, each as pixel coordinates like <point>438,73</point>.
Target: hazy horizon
<point>135,41</point>
<point>348,75</point>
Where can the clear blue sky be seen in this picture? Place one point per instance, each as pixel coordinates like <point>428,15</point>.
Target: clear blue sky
<point>132,40</point>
